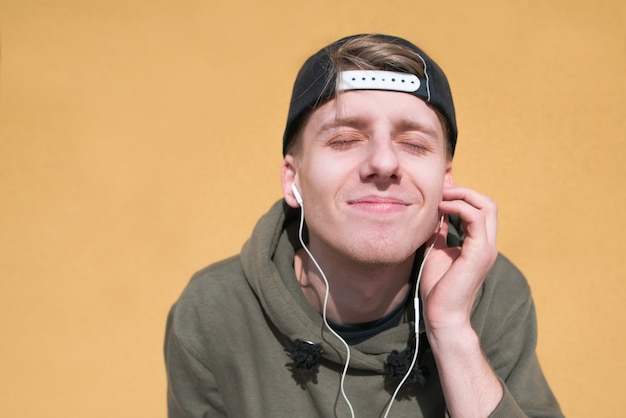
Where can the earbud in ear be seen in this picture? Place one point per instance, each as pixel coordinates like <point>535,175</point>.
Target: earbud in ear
<point>296,194</point>
<point>440,223</point>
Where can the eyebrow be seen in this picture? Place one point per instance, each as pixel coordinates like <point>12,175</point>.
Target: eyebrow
<point>351,122</point>
<point>414,125</point>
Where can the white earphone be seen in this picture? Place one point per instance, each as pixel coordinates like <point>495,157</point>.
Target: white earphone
<point>296,194</point>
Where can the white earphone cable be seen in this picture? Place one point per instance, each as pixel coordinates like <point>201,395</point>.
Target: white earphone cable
<point>345,369</point>
<point>416,307</point>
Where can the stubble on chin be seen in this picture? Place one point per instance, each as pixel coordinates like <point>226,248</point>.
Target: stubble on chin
<point>377,250</point>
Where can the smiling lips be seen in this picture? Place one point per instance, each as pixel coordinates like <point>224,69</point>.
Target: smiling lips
<point>379,204</point>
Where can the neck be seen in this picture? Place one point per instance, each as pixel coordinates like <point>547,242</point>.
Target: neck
<point>357,293</point>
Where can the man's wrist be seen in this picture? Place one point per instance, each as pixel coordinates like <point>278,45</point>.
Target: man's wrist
<point>452,337</point>
<point>458,352</point>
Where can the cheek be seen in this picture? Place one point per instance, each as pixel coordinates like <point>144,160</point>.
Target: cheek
<point>431,181</point>
<point>323,179</point>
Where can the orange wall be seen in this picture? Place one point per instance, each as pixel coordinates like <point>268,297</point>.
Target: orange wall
<point>140,140</point>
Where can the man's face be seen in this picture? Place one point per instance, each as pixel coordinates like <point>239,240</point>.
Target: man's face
<point>371,167</point>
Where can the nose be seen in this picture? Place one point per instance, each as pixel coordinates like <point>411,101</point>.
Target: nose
<point>382,163</point>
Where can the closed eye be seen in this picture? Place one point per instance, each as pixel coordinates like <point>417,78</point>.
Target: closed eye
<point>344,140</point>
<point>415,144</point>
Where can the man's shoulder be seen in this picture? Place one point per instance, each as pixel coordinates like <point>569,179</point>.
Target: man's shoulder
<point>213,301</point>
<point>504,293</point>
<point>213,287</point>
<point>220,269</point>
<point>222,276</point>
<point>505,277</point>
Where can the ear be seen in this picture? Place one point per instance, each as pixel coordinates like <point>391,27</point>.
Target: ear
<point>289,176</point>
<point>448,180</point>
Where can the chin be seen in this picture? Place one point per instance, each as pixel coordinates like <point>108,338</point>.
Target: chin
<point>380,251</point>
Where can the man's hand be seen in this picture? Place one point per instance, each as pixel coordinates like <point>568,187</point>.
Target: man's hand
<point>450,281</point>
<point>452,276</point>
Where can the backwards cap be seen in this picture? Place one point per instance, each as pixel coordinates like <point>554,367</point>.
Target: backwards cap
<point>315,84</point>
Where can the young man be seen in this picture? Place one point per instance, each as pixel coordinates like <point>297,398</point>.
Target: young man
<point>375,287</point>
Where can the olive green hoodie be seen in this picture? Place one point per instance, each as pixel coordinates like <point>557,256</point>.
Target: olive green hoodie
<point>229,335</point>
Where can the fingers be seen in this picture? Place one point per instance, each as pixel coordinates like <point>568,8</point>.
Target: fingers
<point>479,215</point>
<point>452,276</point>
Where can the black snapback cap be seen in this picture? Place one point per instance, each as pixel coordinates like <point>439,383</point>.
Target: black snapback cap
<point>315,84</point>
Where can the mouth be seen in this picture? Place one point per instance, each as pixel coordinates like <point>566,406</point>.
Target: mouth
<point>379,204</point>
